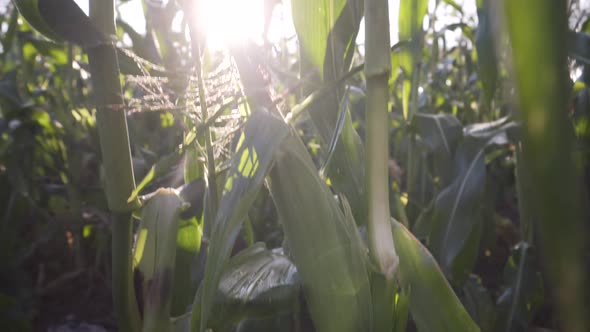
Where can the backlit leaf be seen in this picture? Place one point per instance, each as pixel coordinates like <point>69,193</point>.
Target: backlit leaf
<point>323,243</point>
<point>433,304</point>
<point>261,138</point>
<point>314,20</point>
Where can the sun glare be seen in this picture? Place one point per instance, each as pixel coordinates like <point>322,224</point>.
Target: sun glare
<point>232,21</point>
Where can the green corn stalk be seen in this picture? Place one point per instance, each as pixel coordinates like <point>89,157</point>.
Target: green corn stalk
<point>538,33</point>
<point>116,160</point>
<point>377,70</point>
<point>381,247</point>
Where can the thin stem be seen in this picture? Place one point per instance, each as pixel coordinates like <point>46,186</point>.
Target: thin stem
<point>126,308</point>
<point>211,176</point>
<point>381,246</point>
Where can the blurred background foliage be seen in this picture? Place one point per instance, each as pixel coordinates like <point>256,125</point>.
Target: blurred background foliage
<point>454,151</point>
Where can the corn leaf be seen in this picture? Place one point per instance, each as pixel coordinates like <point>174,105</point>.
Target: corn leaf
<point>256,283</point>
<point>155,254</point>
<point>322,243</point>
<point>259,141</point>
<point>61,20</point>
<point>188,245</point>
<point>523,294</point>
<point>314,21</point>
<point>30,11</point>
<point>441,133</point>
<point>478,303</point>
<point>162,166</point>
<point>433,304</point>
<point>457,222</point>
<point>327,31</point>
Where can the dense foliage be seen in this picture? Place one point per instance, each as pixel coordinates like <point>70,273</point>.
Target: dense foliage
<point>235,189</point>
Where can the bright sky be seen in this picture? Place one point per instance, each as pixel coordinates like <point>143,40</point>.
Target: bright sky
<point>245,12</point>
<point>247,19</point>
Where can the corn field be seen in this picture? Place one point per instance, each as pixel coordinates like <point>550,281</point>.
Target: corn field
<point>354,165</point>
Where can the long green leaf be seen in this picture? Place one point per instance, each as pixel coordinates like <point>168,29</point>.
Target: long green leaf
<point>523,293</point>
<point>156,253</point>
<point>478,303</point>
<point>456,228</point>
<point>314,21</point>
<point>322,242</point>
<point>433,304</point>
<point>330,50</point>
<point>259,141</point>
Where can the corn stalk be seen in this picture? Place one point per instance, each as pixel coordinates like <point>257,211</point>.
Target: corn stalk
<point>377,71</point>
<point>116,160</point>
<point>538,33</point>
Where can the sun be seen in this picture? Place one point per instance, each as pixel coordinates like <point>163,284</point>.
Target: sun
<point>227,22</point>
